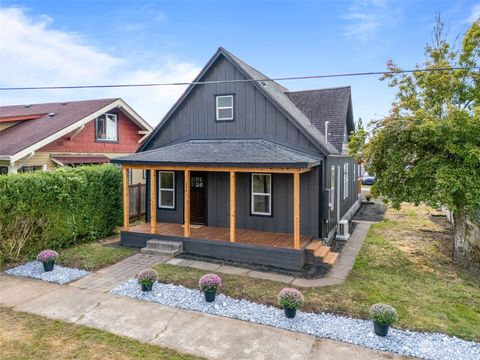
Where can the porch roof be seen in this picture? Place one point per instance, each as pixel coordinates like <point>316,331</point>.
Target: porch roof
<point>227,153</point>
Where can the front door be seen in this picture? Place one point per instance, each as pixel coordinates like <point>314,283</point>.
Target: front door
<point>197,198</point>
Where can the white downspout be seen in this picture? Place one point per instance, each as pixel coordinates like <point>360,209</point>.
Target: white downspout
<point>326,132</point>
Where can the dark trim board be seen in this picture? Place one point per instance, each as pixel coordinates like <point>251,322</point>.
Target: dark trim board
<point>288,259</point>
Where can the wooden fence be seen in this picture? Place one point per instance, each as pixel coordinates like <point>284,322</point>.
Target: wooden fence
<point>137,200</point>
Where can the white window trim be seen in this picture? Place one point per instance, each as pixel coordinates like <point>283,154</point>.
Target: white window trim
<point>261,194</point>
<point>160,189</point>
<point>217,108</point>
<point>332,187</point>
<point>345,181</point>
<point>116,127</point>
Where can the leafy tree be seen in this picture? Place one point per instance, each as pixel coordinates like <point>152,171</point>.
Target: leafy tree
<point>356,144</point>
<point>359,124</point>
<point>428,148</point>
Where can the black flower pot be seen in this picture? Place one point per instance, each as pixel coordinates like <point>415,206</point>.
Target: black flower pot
<point>380,329</point>
<point>209,296</point>
<point>48,265</point>
<point>147,287</point>
<point>290,313</point>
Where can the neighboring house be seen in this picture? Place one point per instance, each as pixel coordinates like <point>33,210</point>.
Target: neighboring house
<point>46,136</point>
<point>247,162</point>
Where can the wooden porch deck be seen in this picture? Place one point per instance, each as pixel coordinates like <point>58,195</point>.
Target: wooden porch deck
<point>243,236</point>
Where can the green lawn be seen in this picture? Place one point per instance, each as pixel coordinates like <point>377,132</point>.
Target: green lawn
<point>26,336</point>
<point>405,262</point>
<point>92,256</point>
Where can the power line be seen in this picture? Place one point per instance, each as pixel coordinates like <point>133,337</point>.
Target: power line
<point>234,81</point>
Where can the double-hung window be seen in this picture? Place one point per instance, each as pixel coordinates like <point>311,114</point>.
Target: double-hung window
<point>107,127</point>
<point>261,194</point>
<point>332,187</point>
<point>345,181</point>
<point>224,107</point>
<point>166,189</point>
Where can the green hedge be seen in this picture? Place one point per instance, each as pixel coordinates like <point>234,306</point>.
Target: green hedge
<point>56,209</point>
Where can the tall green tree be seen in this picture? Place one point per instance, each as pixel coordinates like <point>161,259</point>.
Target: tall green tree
<point>428,148</point>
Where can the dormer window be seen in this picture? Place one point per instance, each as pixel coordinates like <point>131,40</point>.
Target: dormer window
<point>224,107</point>
<point>107,127</point>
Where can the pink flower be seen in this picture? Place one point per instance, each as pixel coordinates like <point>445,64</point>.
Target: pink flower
<point>290,298</point>
<point>47,255</point>
<point>210,282</point>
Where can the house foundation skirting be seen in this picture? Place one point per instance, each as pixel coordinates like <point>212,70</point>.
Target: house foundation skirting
<point>289,259</point>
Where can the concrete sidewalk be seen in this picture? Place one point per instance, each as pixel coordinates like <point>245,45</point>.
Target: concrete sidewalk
<point>189,332</point>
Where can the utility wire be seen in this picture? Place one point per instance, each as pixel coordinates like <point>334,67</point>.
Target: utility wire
<point>234,81</point>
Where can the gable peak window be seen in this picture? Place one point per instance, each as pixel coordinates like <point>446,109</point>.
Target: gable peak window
<point>262,194</point>
<point>107,127</point>
<point>224,107</point>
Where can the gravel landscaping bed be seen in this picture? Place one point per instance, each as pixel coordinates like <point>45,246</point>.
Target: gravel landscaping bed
<point>59,275</point>
<point>353,331</point>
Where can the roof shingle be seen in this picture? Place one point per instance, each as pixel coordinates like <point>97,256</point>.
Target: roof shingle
<point>241,153</point>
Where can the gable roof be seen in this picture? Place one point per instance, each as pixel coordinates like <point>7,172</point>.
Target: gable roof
<point>330,105</point>
<point>241,153</point>
<point>275,92</point>
<point>51,121</point>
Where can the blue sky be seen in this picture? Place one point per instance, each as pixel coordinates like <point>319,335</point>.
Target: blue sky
<point>91,42</point>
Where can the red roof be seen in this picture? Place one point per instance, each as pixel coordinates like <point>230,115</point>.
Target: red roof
<point>56,116</point>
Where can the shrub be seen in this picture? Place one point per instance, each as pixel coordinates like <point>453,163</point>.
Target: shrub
<point>383,314</point>
<point>290,298</point>
<point>57,209</point>
<point>47,255</point>
<point>368,196</point>
<point>210,282</point>
<point>147,277</point>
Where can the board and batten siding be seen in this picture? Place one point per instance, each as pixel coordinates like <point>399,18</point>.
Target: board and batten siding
<point>254,115</point>
<point>345,204</point>
<point>281,220</point>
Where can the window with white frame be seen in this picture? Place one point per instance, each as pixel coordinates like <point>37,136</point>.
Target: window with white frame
<point>107,127</point>
<point>166,189</point>
<point>261,194</point>
<point>345,181</point>
<point>224,107</point>
<point>332,187</point>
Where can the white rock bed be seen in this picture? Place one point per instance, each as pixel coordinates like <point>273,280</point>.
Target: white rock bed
<point>59,274</point>
<point>359,332</point>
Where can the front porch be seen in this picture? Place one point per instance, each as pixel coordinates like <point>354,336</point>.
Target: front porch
<point>242,236</point>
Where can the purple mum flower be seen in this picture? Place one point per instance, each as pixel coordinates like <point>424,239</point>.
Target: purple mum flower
<point>147,276</point>
<point>47,255</point>
<point>290,298</point>
<point>210,282</point>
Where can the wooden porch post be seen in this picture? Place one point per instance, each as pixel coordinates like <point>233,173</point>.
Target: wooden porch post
<point>233,206</point>
<point>126,200</point>
<point>186,225</point>
<point>153,201</point>
<point>296,210</point>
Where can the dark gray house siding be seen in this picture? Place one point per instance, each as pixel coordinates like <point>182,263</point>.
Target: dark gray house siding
<point>255,116</point>
<point>330,215</point>
<point>259,115</point>
<point>281,220</point>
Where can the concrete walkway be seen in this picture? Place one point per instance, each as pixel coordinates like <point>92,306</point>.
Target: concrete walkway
<point>189,332</point>
<point>335,276</point>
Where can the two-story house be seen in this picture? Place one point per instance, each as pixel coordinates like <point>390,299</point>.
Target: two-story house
<point>244,170</point>
<point>46,136</point>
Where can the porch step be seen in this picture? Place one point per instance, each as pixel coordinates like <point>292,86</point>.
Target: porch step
<point>164,248</point>
<point>314,245</point>
<point>331,258</point>
<point>322,251</point>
